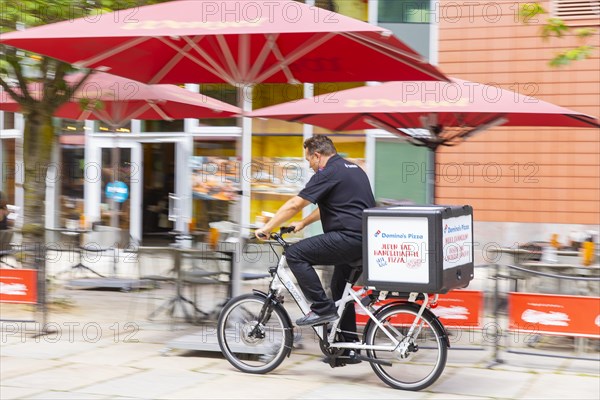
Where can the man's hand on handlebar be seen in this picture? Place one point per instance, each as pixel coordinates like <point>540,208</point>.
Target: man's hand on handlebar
<point>262,234</point>
<point>298,226</point>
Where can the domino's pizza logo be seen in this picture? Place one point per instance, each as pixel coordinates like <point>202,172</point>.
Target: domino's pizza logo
<point>377,233</point>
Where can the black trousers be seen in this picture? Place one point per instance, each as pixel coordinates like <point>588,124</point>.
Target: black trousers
<point>331,248</point>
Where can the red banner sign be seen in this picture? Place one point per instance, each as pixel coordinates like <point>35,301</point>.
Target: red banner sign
<point>18,286</point>
<point>457,308</point>
<point>554,314</point>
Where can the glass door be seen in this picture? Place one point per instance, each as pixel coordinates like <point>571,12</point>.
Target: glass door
<point>113,197</point>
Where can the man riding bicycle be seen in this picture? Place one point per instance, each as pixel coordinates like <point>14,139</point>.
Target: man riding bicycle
<point>342,191</point>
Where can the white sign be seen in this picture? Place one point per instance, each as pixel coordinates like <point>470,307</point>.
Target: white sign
<point>398,249</point>
<point>457,241</point>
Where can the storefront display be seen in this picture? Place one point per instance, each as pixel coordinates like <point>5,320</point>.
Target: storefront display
<point>215,178</point>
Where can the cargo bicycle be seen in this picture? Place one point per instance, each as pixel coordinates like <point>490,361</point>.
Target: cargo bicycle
<point>403,341</point>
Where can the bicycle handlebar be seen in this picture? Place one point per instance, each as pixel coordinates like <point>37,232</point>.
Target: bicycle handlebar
<point>278,237</point>
<point>286,229</point>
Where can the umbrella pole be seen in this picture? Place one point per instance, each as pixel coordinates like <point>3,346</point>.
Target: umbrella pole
<point>115,160</point>
<point>431,178</point>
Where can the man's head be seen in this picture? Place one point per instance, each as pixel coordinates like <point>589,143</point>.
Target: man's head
<point>317,150</point>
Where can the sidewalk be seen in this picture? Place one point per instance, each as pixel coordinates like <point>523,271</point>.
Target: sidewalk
<point>104,347</point>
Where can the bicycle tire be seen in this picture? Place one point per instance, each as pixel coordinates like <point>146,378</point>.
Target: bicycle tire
<point>424,363</point>
<point>245,351</point>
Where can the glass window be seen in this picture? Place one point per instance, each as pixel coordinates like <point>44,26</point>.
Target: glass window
<point>71,179</point>
<point>104,127</point>
<point>225,93</point>
<point>221,170</point>
<point>70,127</point>
<point>404,11</point>
<point>162,126</point>
<point>269,94</point>
<point>8,120</point>
<point>114,212</point>
<point>7,169</point>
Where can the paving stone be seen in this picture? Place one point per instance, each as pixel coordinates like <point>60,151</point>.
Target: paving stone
<point>16,366</point>
<point>53,394</point>
<point>12,392</point>
<point>46,348</point>
<point>482,382</point>
<point>341,390</point>
<point>68,377</point>
<point>115,354</point>
<point>149,384</point>
<point>564,386</point>
<point>245,386</point>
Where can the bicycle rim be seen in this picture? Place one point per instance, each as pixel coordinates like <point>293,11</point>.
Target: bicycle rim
<point>250,346</point>
<point>424,362</point>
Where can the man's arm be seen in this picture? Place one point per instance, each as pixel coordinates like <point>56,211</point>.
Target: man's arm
<point>290,208</point>
<point>312,217</point>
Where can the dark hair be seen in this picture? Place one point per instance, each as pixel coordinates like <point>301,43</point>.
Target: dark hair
<point>321,144</point>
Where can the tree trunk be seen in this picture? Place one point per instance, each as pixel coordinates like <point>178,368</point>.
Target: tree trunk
<point>38,142</point>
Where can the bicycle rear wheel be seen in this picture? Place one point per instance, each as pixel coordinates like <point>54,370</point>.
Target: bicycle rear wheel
<point>425,358</point>
<point>249,344</point>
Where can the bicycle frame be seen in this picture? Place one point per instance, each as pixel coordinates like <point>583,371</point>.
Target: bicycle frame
<point>282,279</point>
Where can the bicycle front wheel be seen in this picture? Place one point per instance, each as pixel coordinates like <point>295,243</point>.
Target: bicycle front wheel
<point>249,344</point>
<point>424,356</point>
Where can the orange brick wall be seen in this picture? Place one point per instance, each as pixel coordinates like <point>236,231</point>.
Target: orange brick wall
<point>520,175</point>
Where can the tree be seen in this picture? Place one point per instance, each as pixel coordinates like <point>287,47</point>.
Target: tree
<point>556,27</point>
<point>37,83</point>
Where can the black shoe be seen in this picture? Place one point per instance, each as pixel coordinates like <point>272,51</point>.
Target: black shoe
<point>315,319</point>
<point>342,361</point>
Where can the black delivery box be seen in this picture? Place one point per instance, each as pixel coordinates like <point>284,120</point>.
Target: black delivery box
<point>426,249</point>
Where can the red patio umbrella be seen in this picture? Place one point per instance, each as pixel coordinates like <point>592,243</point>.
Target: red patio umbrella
<point>430,114</point>
<point>235,41</point>
<point>426,113</point>
<point>116,100</point>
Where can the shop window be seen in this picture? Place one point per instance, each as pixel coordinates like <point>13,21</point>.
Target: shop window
<point>71,127</point>
<point>103,127</point>
<point>225,93</point>
<point>8,120</point>
<point>404,11</point>
<point>162,126</point>
<point>122,170</point>
<point>215,182</point>
<point>7,169</point>
<point>71,179</point>
<point>269,94</point>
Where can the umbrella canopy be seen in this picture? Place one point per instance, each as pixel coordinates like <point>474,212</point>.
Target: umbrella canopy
<point>116,100</point>
<point>445,112</point>
<point>236,41</point>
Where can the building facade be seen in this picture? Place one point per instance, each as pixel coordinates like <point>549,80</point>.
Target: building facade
<point>523,184</point>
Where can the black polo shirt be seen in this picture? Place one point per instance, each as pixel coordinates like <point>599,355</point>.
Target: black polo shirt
<point>342,191</point>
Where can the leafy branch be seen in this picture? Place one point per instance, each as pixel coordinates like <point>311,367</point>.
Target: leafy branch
<point>556,28</point>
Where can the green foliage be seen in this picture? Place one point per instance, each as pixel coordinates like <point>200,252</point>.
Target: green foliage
<point>584,32</point>
<point>568,56</point>
<point>31,13</point>
<point>528,12</point>
<point>556,27</point>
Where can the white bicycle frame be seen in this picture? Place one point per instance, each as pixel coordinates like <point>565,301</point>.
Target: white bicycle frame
<point>285,281</point>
